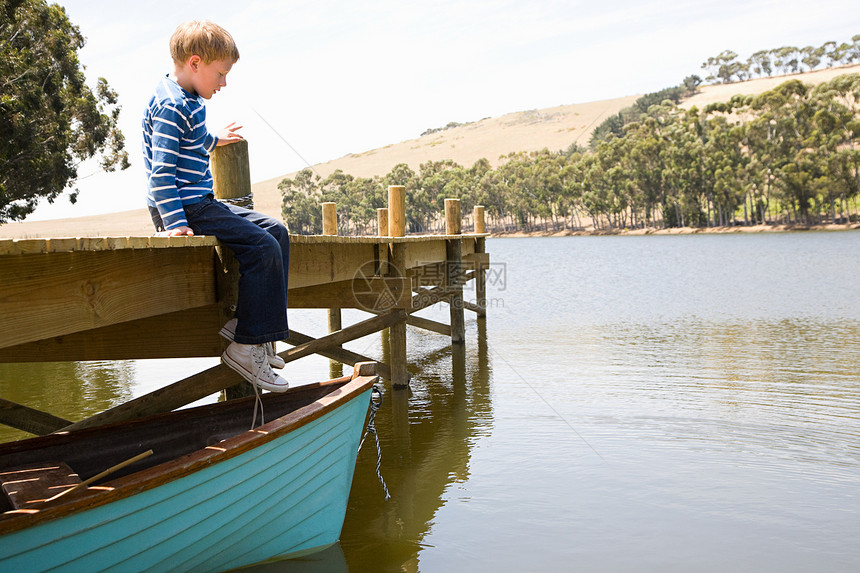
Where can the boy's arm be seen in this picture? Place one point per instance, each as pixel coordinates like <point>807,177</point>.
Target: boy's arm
<point>167,131</point>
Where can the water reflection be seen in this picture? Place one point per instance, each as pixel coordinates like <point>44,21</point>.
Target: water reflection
<point>426,433</point>
<point>70,390</point>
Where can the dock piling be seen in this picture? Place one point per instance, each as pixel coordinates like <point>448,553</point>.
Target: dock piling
<point>335,320</point>
<point>397,257</point>
<point>329,218</point>
<point>382,222</point>
<point>481,265</point>
<point>454,271</point>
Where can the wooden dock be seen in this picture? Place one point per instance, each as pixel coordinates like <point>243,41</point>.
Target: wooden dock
<point>120,298</point>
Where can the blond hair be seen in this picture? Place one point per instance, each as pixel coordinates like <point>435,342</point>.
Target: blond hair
<point>205,39</point>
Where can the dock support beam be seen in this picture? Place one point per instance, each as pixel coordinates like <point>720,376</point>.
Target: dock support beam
<point>397,331</point>
<point>480,270</point>
<point>335,320</point>
<point>454,271</point>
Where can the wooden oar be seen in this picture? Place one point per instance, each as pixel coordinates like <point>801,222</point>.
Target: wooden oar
<point>99,476</point>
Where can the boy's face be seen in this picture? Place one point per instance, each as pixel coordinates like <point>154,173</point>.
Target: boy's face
<point>206,79</point>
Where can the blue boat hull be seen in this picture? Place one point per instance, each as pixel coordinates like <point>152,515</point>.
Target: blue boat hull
<point>285,497</point>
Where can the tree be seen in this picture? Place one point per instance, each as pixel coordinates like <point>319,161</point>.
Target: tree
<point>724,67</point>
<point>50,119</point>
<point>760,63</point>
<point>300,204</point>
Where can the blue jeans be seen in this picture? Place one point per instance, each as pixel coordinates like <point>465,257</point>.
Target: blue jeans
<point>262,247</point>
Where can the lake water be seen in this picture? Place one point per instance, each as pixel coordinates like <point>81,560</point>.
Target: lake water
<point>645,403</point>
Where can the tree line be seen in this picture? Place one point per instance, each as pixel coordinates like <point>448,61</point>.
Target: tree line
<point>789,155</point>
<point>726,67</point>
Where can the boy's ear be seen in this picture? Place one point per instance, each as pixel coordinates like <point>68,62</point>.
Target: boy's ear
<point>194,62</point>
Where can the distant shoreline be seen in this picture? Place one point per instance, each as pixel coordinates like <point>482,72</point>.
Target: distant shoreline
<point>781,228</point>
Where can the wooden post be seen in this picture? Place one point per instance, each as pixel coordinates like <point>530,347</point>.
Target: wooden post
<point>478,217</point>
<point>481,280</point>
<point>454,271</point>
<point>335,323</point>
<point>397,268</point>
<point>382,222</point>
<point>452,216</point>
<point>329,218</point>
<point>231,175</point>
<point>480,271</point>
<point>396,211</point>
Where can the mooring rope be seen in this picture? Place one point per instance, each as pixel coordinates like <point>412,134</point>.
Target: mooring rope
<point>246,201</point>
<point>371,429</point>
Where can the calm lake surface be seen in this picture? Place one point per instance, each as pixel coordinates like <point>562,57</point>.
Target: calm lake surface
<point>647,403</point>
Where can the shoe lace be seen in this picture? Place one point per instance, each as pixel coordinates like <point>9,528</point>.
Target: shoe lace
<point>262,372</point>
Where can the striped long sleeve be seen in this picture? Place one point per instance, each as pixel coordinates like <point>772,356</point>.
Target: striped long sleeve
<point>176,146</point>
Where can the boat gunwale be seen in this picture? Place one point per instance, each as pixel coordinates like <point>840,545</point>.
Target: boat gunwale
<point>171,470</point>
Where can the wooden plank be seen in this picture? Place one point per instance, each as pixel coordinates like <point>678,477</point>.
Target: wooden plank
<point>476,260</point>
<point>349,333</point>
<point>43,296</point>
<point>428,297</point>
<point>136,339</point>
<point>167,398</point>
<point>29,246</point>
<point>424,253</point>
<point>427,324</point>
<point>427,276</point>
<point>340,354</point>
<point>321,263</point>
<point>34,483</point>
<point>367,293</point>
<point>29,419</point>
<point>72,244</point>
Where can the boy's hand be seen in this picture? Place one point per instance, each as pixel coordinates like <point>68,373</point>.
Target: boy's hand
<point>228,135</point>
<point>177,232</point>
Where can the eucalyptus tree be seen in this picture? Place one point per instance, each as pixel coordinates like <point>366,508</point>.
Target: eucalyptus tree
<point>428,199</point>
<point>783,134</point>
<point>370,195</point>
<point>838,119</point>
<point>760,63</point>
<point>811,56</point>
<point>337,188</point>
<point>725,162</point>
<point>491,194</point>
<point>300,202</point>
<point>683,175</point>
<point>519,189</point>
<point>721,67</point>
<point>51,120</point>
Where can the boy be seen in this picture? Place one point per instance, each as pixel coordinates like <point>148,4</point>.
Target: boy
<point>176,147</point>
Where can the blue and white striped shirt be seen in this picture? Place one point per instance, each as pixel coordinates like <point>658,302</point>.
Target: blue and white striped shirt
<point>176,148</point>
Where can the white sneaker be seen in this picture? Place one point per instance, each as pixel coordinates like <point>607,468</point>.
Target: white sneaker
<point>251,362</point>
<point>228,331</point>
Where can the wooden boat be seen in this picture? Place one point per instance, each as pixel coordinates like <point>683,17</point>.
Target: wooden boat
<point>214,495</point>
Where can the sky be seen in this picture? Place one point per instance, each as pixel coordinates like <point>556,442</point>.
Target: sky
<point>319,79</point>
